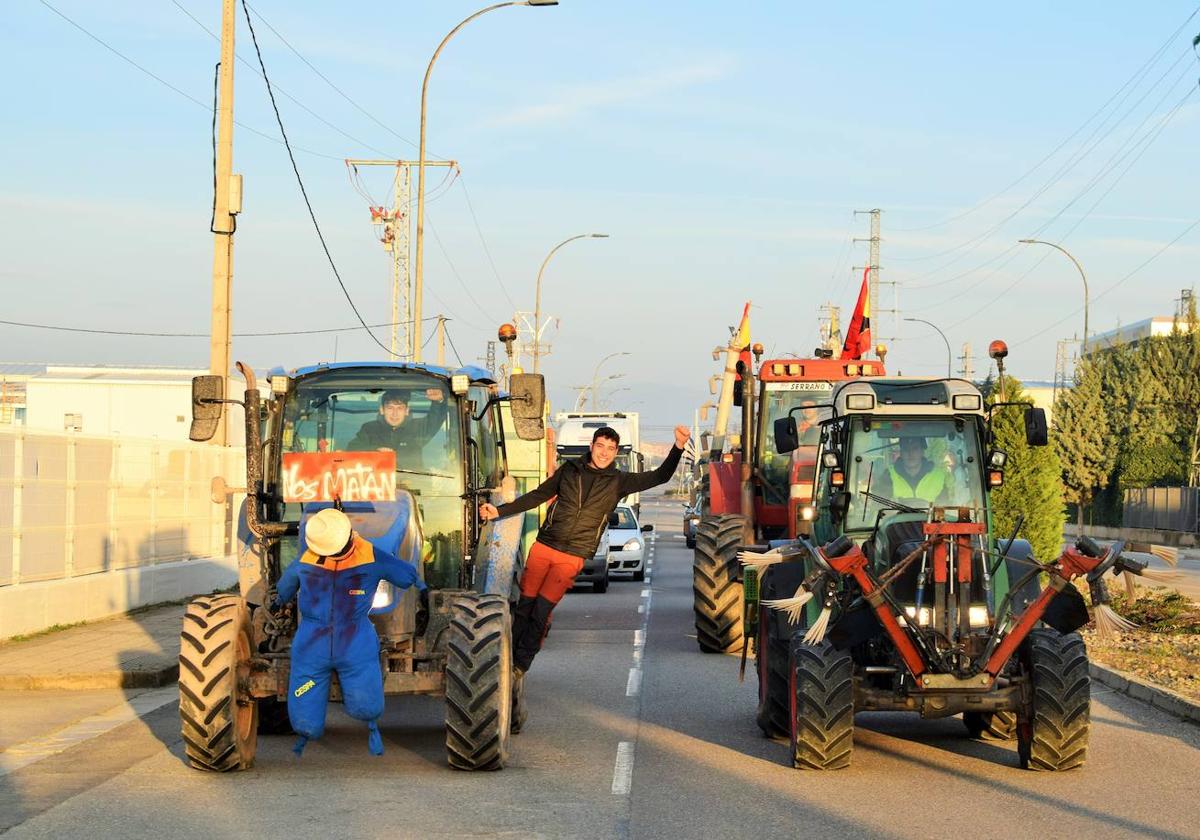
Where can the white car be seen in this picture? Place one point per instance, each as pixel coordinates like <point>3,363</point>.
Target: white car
<point>626,545</point>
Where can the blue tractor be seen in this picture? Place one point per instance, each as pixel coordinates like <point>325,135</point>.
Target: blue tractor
<point>313,442</point>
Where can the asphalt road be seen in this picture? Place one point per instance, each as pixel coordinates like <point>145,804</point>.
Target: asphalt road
<point>630,735</point>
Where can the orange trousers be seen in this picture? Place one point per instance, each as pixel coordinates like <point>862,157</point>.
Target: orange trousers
<point>549,573</point>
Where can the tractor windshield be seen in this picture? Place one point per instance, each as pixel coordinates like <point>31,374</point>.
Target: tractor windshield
<point>899,464</point>
<point>386,409</point>
<point>778,398</point>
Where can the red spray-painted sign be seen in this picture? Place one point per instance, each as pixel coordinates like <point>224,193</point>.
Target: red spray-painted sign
<point>349,476</point>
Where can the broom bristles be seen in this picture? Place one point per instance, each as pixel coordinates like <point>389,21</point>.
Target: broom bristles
<point>792,607</point>
<point>757,561</point>
<point>1130,586</point>
<point>1109,622</point>
<point>1167,554</point>
<point>1161,575</point>
<point>817,632</point>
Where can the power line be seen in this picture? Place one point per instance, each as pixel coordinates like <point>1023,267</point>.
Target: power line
<point>1131,80</point>
<point>462,183</point>
<point>172,87</point>
<point>91,331</point>
<point>317,116</point>
<point>300,181</point>
<point>446,333</point>
<point>453,270</point>
<point>336,89</point>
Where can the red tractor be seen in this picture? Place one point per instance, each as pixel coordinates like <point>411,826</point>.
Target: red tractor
<point>753,494</point>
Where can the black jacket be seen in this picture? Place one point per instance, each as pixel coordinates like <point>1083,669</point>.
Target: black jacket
<point>407,439</point>
<point>586,497</point>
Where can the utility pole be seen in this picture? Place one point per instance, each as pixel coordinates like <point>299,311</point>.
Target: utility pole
<point>225,208</point>
<point>1062,366</point>
<point>441,341</point>
<point>873,302</point>
<point>966,367</point>
<point>396,235</point>
<point>489,360</point>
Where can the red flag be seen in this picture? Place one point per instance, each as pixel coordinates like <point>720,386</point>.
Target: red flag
<point>858,334</point>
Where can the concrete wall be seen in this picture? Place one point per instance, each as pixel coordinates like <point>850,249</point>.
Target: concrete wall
<point>94,525</point>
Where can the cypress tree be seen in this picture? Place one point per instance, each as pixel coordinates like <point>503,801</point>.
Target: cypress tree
<point>1032,479</point>
<point>1082,437</point>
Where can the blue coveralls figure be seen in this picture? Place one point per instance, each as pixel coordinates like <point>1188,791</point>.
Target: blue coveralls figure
<point>336,577</point>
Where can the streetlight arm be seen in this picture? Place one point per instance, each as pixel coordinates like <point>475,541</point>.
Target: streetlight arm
<point>949,358</point>
<point>537,301</point>
<point>1082,275</point>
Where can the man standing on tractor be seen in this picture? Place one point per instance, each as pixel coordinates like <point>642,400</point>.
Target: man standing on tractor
<point>397,430</point>
<point>588,490</point>
<point>914,476</point>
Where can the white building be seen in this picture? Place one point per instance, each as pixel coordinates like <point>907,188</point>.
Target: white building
<point>147,402</point>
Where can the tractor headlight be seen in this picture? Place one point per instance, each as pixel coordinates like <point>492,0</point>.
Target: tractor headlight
<point>923,618</point>
<point>807,513</point>
<point>383,596</point>
<point>978,616</point>
<point>632,545</point>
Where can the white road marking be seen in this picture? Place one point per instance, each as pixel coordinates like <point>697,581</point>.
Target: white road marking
<point>623,771</point>
<point>28,752</point>
<point>639,638</point>
<point>641,608</point>
<point>634,683</point>
<point>646,592</point>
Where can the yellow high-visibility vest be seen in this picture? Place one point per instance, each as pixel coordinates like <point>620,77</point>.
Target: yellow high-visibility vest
<point>928,488</point>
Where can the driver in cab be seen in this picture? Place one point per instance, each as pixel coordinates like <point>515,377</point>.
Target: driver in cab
<point>914,476</point>
<point>397,430</point>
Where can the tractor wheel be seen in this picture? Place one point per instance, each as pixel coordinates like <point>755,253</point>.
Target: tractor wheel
<point>822,705</point>
<point>479,698</point>
<point>716,587</point>
<point>771,654</point>
<point>218,719</point>
<point>991,726</point>
<point>1053,734</point>
<point>273,717</point>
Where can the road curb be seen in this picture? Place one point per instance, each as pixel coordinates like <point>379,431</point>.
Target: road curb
<point>141,678</point>
<point>1160,698</point>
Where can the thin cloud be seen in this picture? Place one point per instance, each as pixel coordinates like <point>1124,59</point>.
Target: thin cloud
<point>583,98</point>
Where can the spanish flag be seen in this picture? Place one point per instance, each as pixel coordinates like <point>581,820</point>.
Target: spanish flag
<point>858,334</point>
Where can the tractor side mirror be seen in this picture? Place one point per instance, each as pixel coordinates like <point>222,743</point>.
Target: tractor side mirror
<point>527,396</point>
<point>1035,427</point>
<point>787,437</point>
<point>208,393</point>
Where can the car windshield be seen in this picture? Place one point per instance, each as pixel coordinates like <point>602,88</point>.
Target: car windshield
<point>624,519</point>
<point>898,464</point>
<point>406,412</point>
<point>780,398</point>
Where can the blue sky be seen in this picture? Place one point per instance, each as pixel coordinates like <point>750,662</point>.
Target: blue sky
<point>723,146</point>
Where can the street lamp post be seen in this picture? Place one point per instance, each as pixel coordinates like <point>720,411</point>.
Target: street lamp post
<point>949,358</point>
<point>537,300</point>
<point>596,372</point>
<point>1081,274</point>
<point>420,272</point>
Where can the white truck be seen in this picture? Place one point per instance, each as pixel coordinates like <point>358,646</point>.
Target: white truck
<point>574,437</point>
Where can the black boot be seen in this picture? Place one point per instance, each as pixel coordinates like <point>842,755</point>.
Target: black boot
<point>520,620</point>
<point>527,647</point>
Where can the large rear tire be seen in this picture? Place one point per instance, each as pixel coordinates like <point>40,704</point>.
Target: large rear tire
<point>218,718</point>
<point>771,654</point>
<point>822,706</point>
<point>716,585</point>
<point>479,691</point>
<point>1052,733</point>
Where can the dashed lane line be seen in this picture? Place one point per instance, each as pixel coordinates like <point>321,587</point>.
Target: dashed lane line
<point>623,770</point>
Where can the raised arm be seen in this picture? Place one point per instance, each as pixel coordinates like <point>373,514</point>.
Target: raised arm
<point>636,482</point>
<point>400,572</point>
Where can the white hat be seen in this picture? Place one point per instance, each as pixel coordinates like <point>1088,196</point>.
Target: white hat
<point>327,533</point>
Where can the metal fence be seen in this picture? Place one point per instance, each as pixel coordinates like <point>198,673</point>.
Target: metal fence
<point>74,505</point>
<point>1162,509</point>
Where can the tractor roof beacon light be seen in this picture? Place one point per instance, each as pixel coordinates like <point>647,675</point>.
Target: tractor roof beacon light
<point>881,351</point>
<point>757,350</point>
<point>998,349</point>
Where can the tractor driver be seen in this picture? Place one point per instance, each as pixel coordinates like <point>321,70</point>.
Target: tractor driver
<point>806,426</point>
<point>913,476</point>
<point>398,431</point>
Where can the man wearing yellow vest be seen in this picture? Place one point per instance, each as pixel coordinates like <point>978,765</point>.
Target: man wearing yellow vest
<point>914,476</point>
